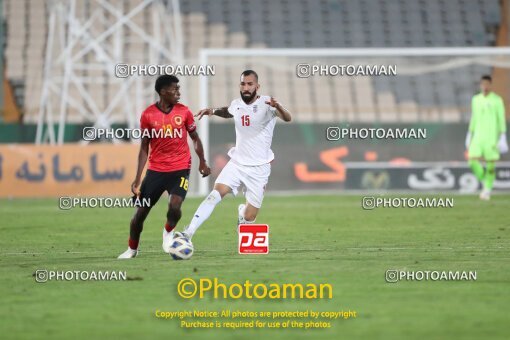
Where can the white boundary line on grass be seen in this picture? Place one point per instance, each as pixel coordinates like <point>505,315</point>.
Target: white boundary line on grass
<point>151,251</point>
<point>282,250</point>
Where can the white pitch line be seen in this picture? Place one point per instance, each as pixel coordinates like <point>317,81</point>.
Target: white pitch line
<point>280,250</point>
<point>435,249</point>
<point>152,252</point>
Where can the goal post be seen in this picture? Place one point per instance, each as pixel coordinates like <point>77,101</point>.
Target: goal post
<point>431,84</point>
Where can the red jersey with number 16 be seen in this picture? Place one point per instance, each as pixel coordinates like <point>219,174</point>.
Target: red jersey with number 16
<point>170,150</point>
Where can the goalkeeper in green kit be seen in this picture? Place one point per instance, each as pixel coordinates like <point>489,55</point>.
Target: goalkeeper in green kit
<point>486,137</point>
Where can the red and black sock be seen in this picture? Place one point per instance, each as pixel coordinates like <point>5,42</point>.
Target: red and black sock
<point>133,244</point>
<point>168,227</point>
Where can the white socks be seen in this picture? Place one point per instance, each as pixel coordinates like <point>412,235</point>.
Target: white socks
<point>203,212</point>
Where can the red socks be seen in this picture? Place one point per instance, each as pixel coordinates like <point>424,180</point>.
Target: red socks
<point>133,244</point>
<point>169,228</point>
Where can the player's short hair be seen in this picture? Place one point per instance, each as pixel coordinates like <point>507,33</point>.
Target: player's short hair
<point>249,72</point>
<point>487,77</point>
<point>164,81</point>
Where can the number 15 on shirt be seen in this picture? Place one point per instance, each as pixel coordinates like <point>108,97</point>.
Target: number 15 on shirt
<point>245,120</point>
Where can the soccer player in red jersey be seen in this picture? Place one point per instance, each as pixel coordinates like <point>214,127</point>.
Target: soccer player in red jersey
<point>169,160</point>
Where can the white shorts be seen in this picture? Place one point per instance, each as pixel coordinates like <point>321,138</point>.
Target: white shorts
<point>254,178</point>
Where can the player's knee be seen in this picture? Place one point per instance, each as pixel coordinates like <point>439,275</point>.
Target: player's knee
<point>221,189</point>
<point>213,198</point>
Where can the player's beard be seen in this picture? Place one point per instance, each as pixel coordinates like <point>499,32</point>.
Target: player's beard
<point>248,97</point>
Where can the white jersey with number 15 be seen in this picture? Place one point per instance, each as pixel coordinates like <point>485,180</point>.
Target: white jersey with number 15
<point>254,131</point>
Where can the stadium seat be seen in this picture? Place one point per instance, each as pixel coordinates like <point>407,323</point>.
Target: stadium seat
<point>300,24</point>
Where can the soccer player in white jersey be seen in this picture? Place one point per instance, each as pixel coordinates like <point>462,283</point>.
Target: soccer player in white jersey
<point>250,160</point>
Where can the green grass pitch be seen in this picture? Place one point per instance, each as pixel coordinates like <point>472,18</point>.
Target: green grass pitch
<point>317,239</point>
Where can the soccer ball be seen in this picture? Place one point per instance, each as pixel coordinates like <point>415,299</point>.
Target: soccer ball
<point>181,249</point>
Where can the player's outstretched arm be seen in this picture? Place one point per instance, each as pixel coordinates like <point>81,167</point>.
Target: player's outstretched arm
<point>143,154</point>
<point>282,112</point>
<point>220,112</point>
<point>199,149</point>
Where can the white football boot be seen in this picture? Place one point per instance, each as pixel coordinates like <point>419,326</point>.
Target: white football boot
<point>167,240</point>
<point>128,254</point>
<point>485,195</point>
